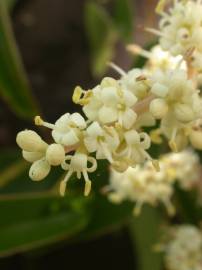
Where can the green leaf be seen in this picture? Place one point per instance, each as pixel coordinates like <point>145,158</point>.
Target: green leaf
<point>9,3</point>
<point>124,19</point>
<point>14,86</point>
<point>188,207</point>
<point>105,216</point>
<point>101,36</point>
<point>145,234</point>
<point>31,223</point>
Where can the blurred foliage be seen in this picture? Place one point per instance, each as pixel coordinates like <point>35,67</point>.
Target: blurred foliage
<point>14,86</point>
<point>124,19</point>
<point>9,3</point>
<point>101,35</point>
<point>145,234</point>
<point>103,31</point>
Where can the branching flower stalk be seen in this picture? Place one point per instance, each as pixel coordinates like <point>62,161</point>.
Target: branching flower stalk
<point>116,112</point>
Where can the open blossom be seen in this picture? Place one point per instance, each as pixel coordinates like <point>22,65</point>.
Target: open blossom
<point>177,103</point>
<point>184,248</point>
<point>180,28</point>
<point>143,184</point>
<point>185,167</point>
<point>104,141</point>
<point>157,59</point>
<point>163,94</point>
<point>109,103</point>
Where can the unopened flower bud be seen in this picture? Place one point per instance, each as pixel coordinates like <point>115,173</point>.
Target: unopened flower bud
<point>196,139</point>
<point>158,108</point>
<point>55,154</point>
<point>32,156</point>
<point>184,113</point>
<point>159,90</point>
<point>108,81</point>
<point>39,170</point>
<point>30,141</point>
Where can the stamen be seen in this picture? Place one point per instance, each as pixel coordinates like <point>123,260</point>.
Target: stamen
<point>39,122</point>
<point>87,188</point>
<point>156,32</point>
<point>117,68</point>
<point>135,49</point>
<point>63,183</point>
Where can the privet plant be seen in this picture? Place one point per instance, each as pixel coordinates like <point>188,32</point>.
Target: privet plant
<point>164,98</point>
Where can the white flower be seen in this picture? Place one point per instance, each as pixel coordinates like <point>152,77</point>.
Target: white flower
<point>103,141</point>
<point>157,59</point>
<point>79,165</point>
<point>30,141</point>
<point>135,82</point>
<point>110,103</point>
<point>181,29</point>
<point>67,128</point>
<point>136,144</point>
<point>55,154</point>
<point>177,103</point>
<point>184,250</point>
<point>39,170</point>
<point>184,166</point>
<point>141,185</point>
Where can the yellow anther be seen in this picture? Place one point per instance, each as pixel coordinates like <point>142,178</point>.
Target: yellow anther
<point>155,163</point>
<point>77,94</point>
<point>155,136</point>
<point>173,146</point>
<point>87,188</point>
<point>38,121</point>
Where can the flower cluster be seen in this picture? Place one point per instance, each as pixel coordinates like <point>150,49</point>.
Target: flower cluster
<point>163,95</point>
<point>144,184</point>
<point>184,248</point>
<point>181,30</point>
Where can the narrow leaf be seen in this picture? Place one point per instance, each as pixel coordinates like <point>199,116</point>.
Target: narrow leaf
<point>124,18</point>
<point>144,234</point>
<point>14,86</point>
<point>31,223</point>
<point>101,35</point>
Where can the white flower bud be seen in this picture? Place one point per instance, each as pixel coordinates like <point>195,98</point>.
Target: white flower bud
<point>108,82</point>
<point>32,156</point>
<point>159,90</point>
<point>196,139</point>
<point>39,170</point>
<point>55,154</point>
<point>30,141</point>
<point>78,120</point>
<point>158,108</point>
<point>132,137</point>
<point>184,113</point>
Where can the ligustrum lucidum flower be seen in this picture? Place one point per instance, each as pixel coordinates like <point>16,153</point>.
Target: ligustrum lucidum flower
<point>163,96</point>
<point>109,103</point>
<point>181,29</point>
<point>143,184</point>
<point>183,250</point>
